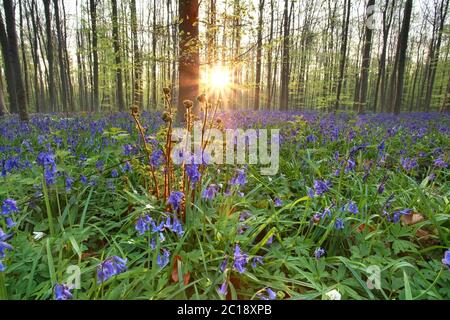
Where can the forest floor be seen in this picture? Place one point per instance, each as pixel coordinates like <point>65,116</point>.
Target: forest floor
<point>359,209</point>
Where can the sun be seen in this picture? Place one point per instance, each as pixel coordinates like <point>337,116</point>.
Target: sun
<point>219,77</point>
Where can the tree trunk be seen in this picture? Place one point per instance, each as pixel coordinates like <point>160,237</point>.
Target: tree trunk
<point>137,67</point>
<point>118,58</point>
<point>9,73</point>
<point>15,62</point>
<point>62,68</point>
<point>51,76</point>
<point>284,75</point>
<point>96,94</point>
<point>401,53</point>
<point>259,55</point>
<point>365,65</point>
<point>189,56</point>
<point>443,9</point>
<point>343,60</point>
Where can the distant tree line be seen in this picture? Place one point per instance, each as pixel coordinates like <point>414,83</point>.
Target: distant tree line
<point>329,55</point>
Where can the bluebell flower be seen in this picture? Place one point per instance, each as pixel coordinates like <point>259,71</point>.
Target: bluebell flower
<point>240,260</point>
<point>177,227</point>
<point>69,182</point>
<point>127,149</point>
<point>114,173</point>
<point>83,180</point>
<point>440,163</point>
<point>277,202</point>
<point>157,158</point>
<point>256,260</point>
<point>2,266</point>
<point>446,259</point>
<point>310,193</point>
<point>99,165</point>
<point>9,206</point>
<point>163,259</point>
<point>409,163</point>
<point>153,243</point>
<point>240,178</point>
<point>352,207</point>
<point>62,292</point>
<point>175,199</point>
<point>110,267</point>
<point>321,187</point>
<point>143,224</point>
<point>397,214</point>
<point>339,224</point>
<point>270,240</point>
<point>223,290</point>
<point>10,223</point>
<point>47,161</point>
<point>210,192</point>
<point>157,228</point>
<point>271,293</point>
<point>319,253</point>
<point>224,264</point>
<point>193,173</point>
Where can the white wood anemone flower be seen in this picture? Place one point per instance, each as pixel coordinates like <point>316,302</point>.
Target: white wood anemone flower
<point>333,295</point>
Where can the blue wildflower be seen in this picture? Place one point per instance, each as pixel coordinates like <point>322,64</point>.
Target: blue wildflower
<point>62,292</point>
<point>10,223</point>
<point>110,267</point>
<point>352,207</point>
<point>223,290</point>
<point>321,187</point>
<point>277,202</point>
<point>240,260</point>
<point>210,192</point>
<point>256,260</point>
<point>319,253</point>
<point>114,173</point>
<point>157,158</point>
<point>163,259</point>
<point>175,199</point>
<point>223,265</point>
<point>143,224</point>
<point>69,182</point>
<point>440,163</point>
<point>339,224</point>
<point>240,178</point>
<point>9,206</point>
<point>446,259</point>
<point>271,293</point>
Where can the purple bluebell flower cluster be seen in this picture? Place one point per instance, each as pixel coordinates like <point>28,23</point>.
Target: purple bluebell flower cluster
<point>62,292</point>
<point>175,199</point>
<point>110,267</point>
<point>240,260</point>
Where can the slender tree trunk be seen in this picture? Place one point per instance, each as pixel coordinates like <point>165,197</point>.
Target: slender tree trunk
<point>96,94</point>
<point>443,9</point>
<point>365,65</point>
<point>269,60</point>
<point>189,56</point>
<point>50,68</point>
<point>154,35</point>
<point>62,67</point>
<point>137,69</point>
<point>445,107</point>
<point>403,45</point>
<point>343,54</point>
<point>259,55</point>
<point>284,88</point>
<point>118,58</point>
<point>9,72</point>
<point>15,61</point>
